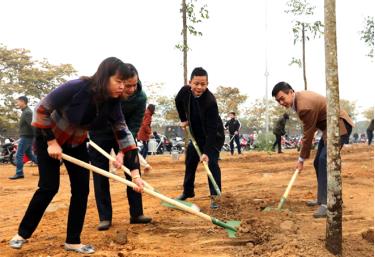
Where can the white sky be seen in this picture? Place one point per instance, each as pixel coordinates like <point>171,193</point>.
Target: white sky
<point>232,48</point>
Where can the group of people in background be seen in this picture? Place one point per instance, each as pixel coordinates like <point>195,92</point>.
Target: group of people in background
<point>110,109</point>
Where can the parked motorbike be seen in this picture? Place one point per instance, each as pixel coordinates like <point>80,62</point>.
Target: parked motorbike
<point>8,152</point>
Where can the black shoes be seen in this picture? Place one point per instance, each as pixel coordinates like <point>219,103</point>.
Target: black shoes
<point>104,225</point>
<point>140,220</point>
<point>183,196</point>
<point>214,204</point>
<point>16,177</point>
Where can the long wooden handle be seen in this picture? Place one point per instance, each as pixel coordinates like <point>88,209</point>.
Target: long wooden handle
<point>131,184</point>
<point>209,173</point>
<point>286,193</point>
<point>142,160</point>
<point>109,157</point>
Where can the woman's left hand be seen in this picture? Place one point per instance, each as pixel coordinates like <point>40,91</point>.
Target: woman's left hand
<point>119,160</point>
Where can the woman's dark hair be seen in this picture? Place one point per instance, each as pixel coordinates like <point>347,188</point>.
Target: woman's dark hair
<point>109,67</point>
<point>281,86</point>
<point>199,71</point>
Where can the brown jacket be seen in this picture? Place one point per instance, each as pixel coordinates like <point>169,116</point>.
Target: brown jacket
<point>312,110</point>
<point>145,131</point>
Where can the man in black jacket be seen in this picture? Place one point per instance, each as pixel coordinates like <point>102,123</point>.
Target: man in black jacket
<point>233,125</point>
<point>279,130</point>
<point>133,108</point>
<point>197,108</point>
<point>26,137</point>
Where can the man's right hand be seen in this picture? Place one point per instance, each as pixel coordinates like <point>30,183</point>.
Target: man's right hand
<point>54,149</point>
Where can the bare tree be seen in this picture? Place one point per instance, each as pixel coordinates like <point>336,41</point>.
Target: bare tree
<point>190,17</point>
<point>334,203</point>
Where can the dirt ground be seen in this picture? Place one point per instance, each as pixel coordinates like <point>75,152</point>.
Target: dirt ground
<point>251,181</point>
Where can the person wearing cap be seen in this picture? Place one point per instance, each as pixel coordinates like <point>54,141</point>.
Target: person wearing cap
<point>26,133</point>
<point>311,108</point>
<point>279,130</point>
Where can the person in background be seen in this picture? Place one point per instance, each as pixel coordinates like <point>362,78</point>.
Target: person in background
<point>26,133</point>
<point>233,125</point>
<point>279,130</point>
<point>145,131</point>
<point>62,119</point>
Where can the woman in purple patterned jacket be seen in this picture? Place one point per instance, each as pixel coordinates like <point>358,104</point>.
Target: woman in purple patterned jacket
<point>62,120</point>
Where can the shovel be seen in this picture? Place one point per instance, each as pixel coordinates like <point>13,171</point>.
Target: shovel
<point>230,226</point>
<point>209,174</point>
<point>127,171</point>
<point>286,193</point>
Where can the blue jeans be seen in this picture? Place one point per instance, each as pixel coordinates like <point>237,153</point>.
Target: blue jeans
<point>24,147</point>
<point>144,150</point>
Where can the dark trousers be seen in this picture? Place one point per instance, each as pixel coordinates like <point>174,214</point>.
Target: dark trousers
<point>49,180</point>
<point>277,142</point>
<point>320,164</point>
<point>231,143</point>
<point>191,162</point>
<point>102,186</point>
<point>144,151</point>
<point>370,136</point>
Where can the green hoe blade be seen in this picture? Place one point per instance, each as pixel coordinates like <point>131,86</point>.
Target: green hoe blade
<point>230,226</point>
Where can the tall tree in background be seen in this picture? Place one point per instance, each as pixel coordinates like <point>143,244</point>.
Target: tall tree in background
<point>367,35</point>
<point>350,107</point>
<point>229,99</point>
<point>21,75</point>
<point>334,195</point>
<point>303,29</point>
<point>190,17</point>
<point>368,113</point>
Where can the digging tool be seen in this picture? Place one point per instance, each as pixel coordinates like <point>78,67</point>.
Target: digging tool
<point>231,139</point>
<point>286,193</point>
<point>205,164</point>
<point>127,171</point>
<point>229,226</point>
<point>144,163</point>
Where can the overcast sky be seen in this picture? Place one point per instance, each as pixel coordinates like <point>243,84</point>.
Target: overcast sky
<point>232,48</point>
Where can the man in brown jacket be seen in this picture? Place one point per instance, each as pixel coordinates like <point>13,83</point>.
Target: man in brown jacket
<point>145,131</point>
<point>311,108</point>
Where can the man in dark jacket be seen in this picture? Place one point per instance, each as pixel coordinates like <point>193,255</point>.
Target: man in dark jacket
<point>233,125</point>
<point>133,108</point>
<point>197,108</point>
<point>26,137</point>
<point>279,130</point>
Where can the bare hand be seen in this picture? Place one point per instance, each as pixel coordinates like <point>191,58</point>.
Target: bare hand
<point>204,158</point>
<point>147,168</point>
<point>119,160</point>
<point>140,184</point>
<point>54,149</point>
<point>299,166</point>
<point>184,124</point>
<point>236,132</point>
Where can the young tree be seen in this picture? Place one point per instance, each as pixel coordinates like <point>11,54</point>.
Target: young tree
<point>367,35</point>
<point>229,99</point>
<point>302,29</point>
<point>190,17</point>
<point>334,196</point>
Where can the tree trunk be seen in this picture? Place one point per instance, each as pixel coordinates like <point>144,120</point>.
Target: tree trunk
<point>334,203</point>
<point>304,55</point>
<point>185,44</point>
